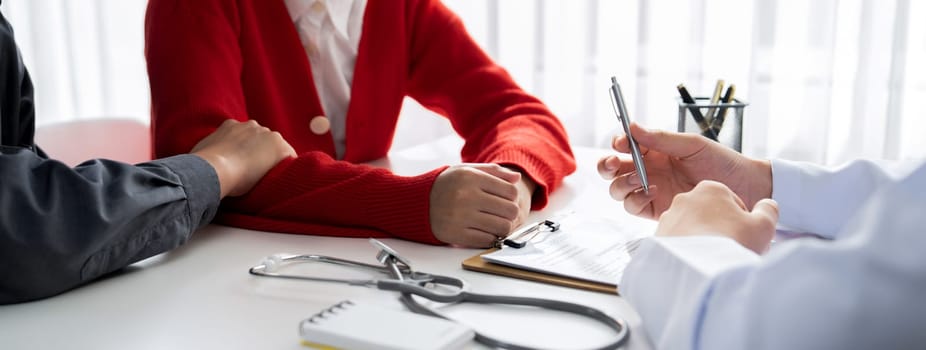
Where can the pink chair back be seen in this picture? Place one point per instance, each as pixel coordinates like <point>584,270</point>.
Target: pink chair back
<point>77,141</point>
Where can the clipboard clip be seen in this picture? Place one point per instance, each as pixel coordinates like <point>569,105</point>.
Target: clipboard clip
<point>519,238</point>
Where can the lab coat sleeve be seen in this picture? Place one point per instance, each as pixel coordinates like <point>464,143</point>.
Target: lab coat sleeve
<point>63,227</point>
<point>818,200</point>
<point>668,313</point>
<point>860,291</point>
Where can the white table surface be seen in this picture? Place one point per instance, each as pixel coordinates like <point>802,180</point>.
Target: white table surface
<point>201,296</point>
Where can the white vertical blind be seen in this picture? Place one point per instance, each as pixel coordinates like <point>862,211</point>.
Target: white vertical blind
<point>86,57</point>
<point>827,80</point>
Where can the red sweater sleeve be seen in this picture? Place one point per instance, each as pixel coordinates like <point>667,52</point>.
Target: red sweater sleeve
<point>500,122</point>
<point>195,71</point>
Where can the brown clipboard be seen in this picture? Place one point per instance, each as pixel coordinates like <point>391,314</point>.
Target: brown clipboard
<point>476,263</point>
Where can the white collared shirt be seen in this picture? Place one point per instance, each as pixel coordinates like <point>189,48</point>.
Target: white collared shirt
<point>859,287</point>
<point>330,33</point>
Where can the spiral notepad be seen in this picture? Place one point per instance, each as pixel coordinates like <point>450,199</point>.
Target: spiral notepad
<point>357,326</point>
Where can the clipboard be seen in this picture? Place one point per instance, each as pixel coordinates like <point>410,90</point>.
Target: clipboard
<point>575,250</point>
<point>476,263</point>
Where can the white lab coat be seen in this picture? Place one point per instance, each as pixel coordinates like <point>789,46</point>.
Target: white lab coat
<point>860,287</point>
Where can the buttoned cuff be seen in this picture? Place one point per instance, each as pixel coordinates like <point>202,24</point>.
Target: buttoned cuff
<point>200,183</point>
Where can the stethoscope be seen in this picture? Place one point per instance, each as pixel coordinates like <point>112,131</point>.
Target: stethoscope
<point>409,282</point>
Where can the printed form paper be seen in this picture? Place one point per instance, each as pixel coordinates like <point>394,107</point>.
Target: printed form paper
<point>590,249</point>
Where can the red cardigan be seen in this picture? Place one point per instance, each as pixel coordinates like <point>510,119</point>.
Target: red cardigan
<point>210,60</point>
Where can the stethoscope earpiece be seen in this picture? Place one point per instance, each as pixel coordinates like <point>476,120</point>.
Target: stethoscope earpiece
<point>272,263</point>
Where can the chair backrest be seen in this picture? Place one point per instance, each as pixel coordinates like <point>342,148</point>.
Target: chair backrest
<point>74,142</point>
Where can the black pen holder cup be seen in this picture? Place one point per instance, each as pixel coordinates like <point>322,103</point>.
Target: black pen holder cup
<point>728,133</point>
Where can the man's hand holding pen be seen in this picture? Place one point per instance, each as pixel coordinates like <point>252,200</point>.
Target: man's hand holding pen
<point>676,163</point>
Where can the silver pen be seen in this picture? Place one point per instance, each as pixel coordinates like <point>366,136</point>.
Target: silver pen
<point>617,102</point>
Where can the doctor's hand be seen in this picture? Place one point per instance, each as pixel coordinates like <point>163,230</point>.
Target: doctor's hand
<point>241,153</point>
<point>675,163</point>
<point>713,209</point>
<point>474,204</point>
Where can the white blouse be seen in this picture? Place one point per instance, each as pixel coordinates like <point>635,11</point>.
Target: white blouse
<point>330,33</point>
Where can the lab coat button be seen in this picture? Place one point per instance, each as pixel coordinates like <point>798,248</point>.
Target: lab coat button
<point>320,125</point>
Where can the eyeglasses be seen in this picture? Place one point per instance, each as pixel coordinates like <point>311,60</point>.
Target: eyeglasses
<point>519,238</point>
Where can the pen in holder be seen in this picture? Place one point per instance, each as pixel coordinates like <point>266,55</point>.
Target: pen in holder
<point>726,123</point>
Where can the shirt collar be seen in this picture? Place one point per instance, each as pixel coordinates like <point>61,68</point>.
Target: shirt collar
<point>338,10</point>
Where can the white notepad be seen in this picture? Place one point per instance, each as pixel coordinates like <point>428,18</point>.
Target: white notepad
<point>358,326</point>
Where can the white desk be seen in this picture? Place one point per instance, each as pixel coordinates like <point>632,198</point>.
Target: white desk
<point>201,296</point>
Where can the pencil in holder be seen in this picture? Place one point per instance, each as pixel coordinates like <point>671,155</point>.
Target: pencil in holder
<point>721,122</point>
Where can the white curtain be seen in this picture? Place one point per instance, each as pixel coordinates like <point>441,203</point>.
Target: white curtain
<point>826,80</point>
<point>86,57</point>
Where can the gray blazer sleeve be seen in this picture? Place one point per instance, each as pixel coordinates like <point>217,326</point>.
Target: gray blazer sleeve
<point>62,227</point>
